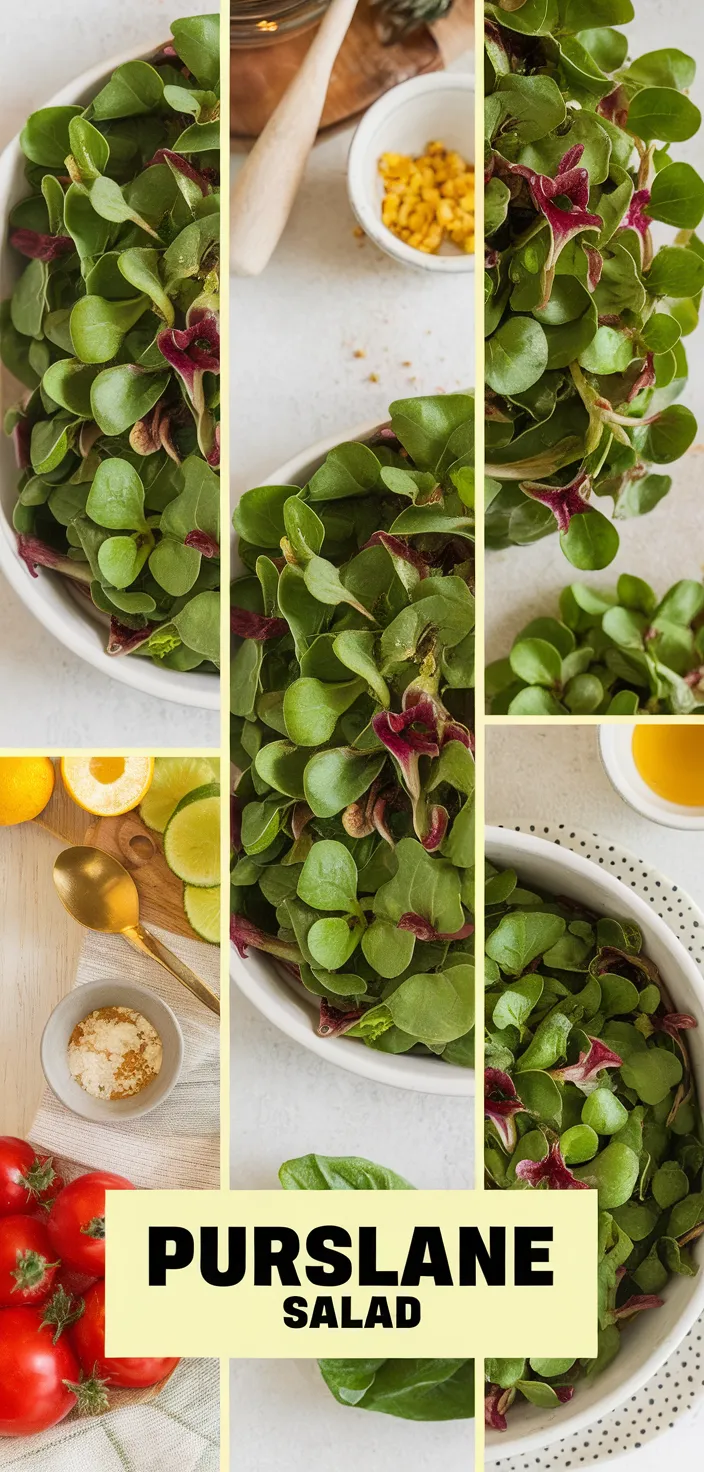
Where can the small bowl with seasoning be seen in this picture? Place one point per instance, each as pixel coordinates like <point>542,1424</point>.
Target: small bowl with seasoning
<point>111,1050</point>
<point>410,172</point>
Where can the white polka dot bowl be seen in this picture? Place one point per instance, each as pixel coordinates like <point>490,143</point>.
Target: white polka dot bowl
<point>646,1343</point>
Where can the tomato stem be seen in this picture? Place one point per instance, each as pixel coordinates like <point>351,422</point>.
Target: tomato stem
<point>95,1228</point>
<point>91,1394</point>
<point>61,1311</point>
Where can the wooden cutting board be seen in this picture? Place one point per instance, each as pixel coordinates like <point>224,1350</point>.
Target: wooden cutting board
<point>363,71</point>
<point>41,942</point>
<point>137,847</point>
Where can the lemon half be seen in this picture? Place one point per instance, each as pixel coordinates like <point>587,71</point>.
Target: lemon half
<point>107,785</point>
<point>26,784</point>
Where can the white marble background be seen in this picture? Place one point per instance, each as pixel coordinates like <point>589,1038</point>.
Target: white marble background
<point>48,696</point>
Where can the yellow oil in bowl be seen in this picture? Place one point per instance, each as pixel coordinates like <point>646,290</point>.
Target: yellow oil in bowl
<point>670,759</point>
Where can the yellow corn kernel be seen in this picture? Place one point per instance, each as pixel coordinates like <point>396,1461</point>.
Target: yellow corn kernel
<point>430,198</point>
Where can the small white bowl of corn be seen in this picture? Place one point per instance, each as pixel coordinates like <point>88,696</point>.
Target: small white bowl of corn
<point>410,172</point>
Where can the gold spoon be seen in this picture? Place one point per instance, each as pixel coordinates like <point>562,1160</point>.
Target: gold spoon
<point>99,893</point>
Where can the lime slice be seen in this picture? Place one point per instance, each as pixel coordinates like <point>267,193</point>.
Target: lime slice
<point>192,837</point>
<point>174,777</point>
<point>202,908</point>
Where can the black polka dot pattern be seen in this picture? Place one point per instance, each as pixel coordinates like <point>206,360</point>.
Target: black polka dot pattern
<point>679,1385</point>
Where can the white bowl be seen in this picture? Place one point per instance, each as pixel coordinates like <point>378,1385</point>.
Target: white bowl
<point>269,987</point>
<point>47,597</point>
<point>647,1342</point>
<point>404,120</point>
<point>72,1009</point>
<point>616,748</point>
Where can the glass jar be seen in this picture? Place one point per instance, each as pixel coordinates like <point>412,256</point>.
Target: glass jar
<point>263,22</point>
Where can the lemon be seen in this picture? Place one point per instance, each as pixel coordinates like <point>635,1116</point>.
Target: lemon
<point>107,785</point>
<point>26,784</point>
<point>174,777</point>
<point>192,838</point>
<point>202,908</point>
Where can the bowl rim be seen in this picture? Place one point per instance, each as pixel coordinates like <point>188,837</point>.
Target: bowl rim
<point>499,1445</point>
<point>125,989</point>
<point>616,753</point>
<point>183,688</point>
<point>384,1068</point>
<point>460,81</point>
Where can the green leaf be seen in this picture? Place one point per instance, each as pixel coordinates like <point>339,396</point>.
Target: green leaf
<point>116,498</point>
<point>666,68</point>
<point>98,327</point>
<point>45,136</point>
<point>677,197</point>
<point>519,938</point>
<point>658,112</point>
<point>88,147</point>
<point>123,394</point>
<point>388,949</point>
<point>334,779</point>
<point>517,355</point>
<point>591,541</point>
<point>134,88</point>
<point>355,649</point>
<point>669,437</point>
<point>140,267</point>
<point>536,662</point>
<point>197,41</point>
<point>312,708</point>
<point>29,299</point>
<point>199,625</point>
<point>599,12</point>
<point>348,470</point>
<point>676,272</point>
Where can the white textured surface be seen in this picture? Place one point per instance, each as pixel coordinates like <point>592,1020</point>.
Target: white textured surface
<point>285,1102</point>
<point>554,774</point>
<point>325,295</point>
<point>667,544</point>
<point>283,1416</point>
<point>49,696</point>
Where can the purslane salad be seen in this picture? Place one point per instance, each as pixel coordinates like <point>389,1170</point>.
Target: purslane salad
<point>588,1086</point>
<point>585,311</point>
<point>351,692</point>
<point>113,328</point>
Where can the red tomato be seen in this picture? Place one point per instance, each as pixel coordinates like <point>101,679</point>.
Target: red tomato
<point>26,1179</point>
<point>76,1222</point>
<point>88,1340</point>
<point>32,1373</point>
<point>27,1271</point>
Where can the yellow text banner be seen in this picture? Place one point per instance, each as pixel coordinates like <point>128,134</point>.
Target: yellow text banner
<point>271,1274</point>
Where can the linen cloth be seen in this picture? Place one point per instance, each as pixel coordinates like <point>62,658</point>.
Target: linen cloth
<point>175,1147</point>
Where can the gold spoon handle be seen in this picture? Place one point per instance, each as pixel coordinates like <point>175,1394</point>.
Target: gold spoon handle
<point>150,946</point>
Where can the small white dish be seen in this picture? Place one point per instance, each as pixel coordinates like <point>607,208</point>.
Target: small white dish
<point>79,1004</point>
<point>646,1343</point>
<point>405,120</point>
<point>66,615</point>
<point>616,750</point>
